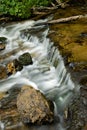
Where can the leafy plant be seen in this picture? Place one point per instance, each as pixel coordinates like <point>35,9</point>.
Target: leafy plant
<point>20,8</point>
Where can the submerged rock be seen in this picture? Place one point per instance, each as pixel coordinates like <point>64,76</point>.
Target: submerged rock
<point>25,59</point>
<point>3,42</point>
<point>34,107</point>
<point>3,72</point>
<point>14,66</point>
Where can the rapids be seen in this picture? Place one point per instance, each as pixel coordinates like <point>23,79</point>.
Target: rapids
<point>48,73</point>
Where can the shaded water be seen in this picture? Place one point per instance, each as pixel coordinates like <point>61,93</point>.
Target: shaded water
<point>48,73</point>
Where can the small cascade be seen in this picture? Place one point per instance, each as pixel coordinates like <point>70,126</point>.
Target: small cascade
<point>48,73</point>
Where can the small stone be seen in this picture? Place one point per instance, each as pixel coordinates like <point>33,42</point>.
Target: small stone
<point>34,107</point>
<point>3,42</point>
<point>14,66</point>
<point>25,59</point>
<point>2,47</point>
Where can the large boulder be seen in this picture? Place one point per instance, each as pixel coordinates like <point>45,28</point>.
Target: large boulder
<point>25,59</point>
<point>34,107</point>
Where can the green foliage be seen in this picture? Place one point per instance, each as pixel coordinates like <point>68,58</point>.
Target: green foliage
<point>20,8</point>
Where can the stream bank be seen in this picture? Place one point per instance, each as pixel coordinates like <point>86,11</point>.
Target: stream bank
<point>71,39</point>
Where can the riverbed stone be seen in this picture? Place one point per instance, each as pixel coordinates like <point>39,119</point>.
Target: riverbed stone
<point>34,107</point>
<point>2,47</point>
<point>25,59</point>
<point>14,66</point>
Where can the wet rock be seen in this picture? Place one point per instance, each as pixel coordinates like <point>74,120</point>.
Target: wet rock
<point>83,35</point>
<point>14,66</point>
<point>83,80</point>
<point>3,42</point>
<point>77,111</point>
<point>3,72</point>
<point>9,115</point>
<point>34,107</point>
<point>25,59</point>
<point>3,39</point>
<point>2,47</point>
<point>78,66</point>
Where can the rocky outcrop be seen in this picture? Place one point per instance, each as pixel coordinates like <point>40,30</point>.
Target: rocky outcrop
<point>34,107</point>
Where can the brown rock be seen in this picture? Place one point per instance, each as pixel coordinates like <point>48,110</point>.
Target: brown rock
<point>14,66</point>
<point>3,72</point>
<point>3,41</point>
<point>34,107</point>
<point>2,47</point>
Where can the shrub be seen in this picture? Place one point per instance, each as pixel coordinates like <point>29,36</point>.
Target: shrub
<point>20,8</point>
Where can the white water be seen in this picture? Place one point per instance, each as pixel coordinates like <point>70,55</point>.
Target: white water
<point>47,73</point>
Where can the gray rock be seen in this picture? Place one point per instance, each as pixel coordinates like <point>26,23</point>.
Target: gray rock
<point>14,66</point>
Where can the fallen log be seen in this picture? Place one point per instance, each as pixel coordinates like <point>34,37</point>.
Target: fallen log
<point>64,20</point>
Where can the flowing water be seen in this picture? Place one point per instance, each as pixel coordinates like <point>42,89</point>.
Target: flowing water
<point>48,73</point>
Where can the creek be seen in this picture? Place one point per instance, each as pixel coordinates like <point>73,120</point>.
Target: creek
<point>48,73</point>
